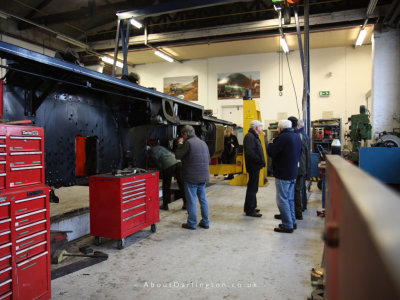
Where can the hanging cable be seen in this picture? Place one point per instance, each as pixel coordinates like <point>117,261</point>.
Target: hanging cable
<point>294,88</point>
<point>280,61</point>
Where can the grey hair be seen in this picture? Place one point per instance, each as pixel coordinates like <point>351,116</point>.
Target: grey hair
<point>255,123</point>
<point>283,124</point>
<point>189,130</point>
<point>301,123</point>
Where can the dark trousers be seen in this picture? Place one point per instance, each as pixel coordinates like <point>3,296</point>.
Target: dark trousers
<point>175,170</point>
<point>304,197</point>
<point>298,195</point>
<point>250,202</point>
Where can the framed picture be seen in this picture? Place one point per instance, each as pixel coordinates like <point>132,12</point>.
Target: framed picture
<point>183,87</point>
<point>233,85</point>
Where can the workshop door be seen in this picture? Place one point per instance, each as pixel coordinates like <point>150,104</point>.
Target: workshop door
<point>233,114</point>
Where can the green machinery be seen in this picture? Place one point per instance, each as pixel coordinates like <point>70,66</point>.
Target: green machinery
<point>360,130</point>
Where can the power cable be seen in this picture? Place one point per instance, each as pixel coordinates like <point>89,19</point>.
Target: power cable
<point>294,88</point>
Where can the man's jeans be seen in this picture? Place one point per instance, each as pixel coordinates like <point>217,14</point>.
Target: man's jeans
<point>193,191</point>
<point>285,201</point>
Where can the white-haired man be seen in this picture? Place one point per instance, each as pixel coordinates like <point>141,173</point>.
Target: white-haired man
<point>255,161</point>
<point>285,152</point>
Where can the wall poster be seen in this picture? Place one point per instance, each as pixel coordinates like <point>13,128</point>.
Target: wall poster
<point>233,85</point>
<point>183,87</point>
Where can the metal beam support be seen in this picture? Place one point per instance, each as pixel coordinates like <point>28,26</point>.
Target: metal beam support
<point>306,69</point>
<point>298,30</point>
<point>120,23</point>
<point>250,27</point>
<point>173,7</point>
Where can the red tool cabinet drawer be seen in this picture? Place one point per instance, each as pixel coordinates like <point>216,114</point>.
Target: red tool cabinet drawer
<point>30,229</point>
<point>4,209</point>
<point>5,250</point>
<point>134,210</point>
<point>5,286</point>
<point>5,274</point>
<point>6,296</point>
<point>23,206</point>
<point>2,180</point>
<point>29,218</point>
<point>32,280</point>
<point>133,221</point>
<point>3,147</point>
<point>17,160</point>
<point>5,225</point>
<point>2,166</point>
<point>30,240</point>
<point>25,143</point>
<point>130,202</point>
<point>5,237</point>
<point>31,251</point>
<point>22,176</point>
<point>5,262</point>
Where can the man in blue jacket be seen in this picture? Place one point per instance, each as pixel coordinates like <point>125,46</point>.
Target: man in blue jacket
<point>255,161</point>
<point>285,152</point>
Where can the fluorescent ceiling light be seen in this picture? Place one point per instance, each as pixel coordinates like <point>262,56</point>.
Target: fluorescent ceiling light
<point>164,56</point>
<point>136,23</point>
<point>361,37</point>
<point>3,16</point>
<point>110,61</point>
<point>284,45</point>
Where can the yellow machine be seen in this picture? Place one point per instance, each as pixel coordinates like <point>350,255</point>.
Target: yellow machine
<point>251,111</point>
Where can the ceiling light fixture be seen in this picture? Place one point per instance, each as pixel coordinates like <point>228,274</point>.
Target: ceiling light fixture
<point>110,61</point>
<point>136,23</point>
<point>361,37</point>
<point>284,45</point>
<point>164,56</point>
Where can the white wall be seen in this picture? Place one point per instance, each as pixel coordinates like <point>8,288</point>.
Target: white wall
<point>344,71</point>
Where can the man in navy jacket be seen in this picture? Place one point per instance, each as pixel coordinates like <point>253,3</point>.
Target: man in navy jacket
<point>285,152</point>
<point>255,161</point>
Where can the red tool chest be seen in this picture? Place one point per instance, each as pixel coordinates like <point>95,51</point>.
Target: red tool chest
<point>24,215</point>
<point>122,205</point>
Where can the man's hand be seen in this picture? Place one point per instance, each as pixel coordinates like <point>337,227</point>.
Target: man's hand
<point>180,140</point>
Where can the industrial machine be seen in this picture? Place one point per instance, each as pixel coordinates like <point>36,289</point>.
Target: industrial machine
<point>360,130</point>
<point>251,111</point>
<point>93,123</point>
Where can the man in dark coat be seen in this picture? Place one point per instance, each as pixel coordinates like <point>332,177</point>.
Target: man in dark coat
<point>285,152</point>
<point>195,157</point>
<point>302,170</point>
<point>255,161</point>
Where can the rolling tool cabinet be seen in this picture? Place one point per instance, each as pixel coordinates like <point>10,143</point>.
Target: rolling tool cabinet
<point>24,215</point>
<point>123,205</point>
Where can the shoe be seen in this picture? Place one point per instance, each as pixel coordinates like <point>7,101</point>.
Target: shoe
<point>254,214</point>
<point>294,226</point>
<point>257,210</point>
<point>299,217</point>
<point>164,207</point>
<point>283,229</point>
<point>278,217</point>
<point>203,226</point>
<point>186,226</point>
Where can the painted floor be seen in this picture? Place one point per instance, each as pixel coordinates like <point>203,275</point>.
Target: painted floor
<point>239,257</point>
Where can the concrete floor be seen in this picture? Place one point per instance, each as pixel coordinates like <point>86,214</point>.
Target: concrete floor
<point>239,257</point>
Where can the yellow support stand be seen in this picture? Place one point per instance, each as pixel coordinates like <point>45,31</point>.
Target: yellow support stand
<point>251,111</point>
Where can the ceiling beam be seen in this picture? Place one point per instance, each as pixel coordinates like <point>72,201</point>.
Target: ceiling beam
<point>251,27</point>
<point>173,7</point>
<point>82,13</point>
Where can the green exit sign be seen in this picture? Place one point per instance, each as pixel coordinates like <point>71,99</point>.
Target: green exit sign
<point>324,93</point>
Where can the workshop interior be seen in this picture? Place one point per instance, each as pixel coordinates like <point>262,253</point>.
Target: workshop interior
<point>88,87</point>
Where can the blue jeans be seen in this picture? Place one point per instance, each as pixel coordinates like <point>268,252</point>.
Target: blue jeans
<point>192,191</point>
<point>285,201</point>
